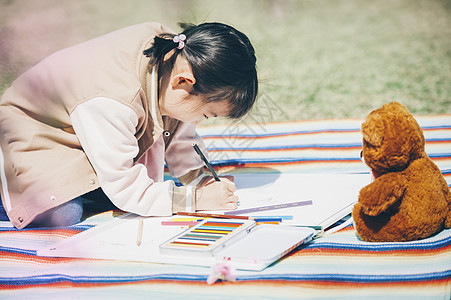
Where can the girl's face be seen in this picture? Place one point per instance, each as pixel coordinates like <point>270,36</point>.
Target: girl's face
<point>176,98</point>
<point>193,109</point>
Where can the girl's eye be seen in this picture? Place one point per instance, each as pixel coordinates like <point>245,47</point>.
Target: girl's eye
<point>205,116</point>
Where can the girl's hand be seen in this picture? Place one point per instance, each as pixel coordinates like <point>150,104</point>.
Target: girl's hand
<point>216,195</point>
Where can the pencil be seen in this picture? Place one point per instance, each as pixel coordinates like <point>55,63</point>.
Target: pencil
<point>205,215</point>
<point>270,207</point>
<point>206,162</point>
<point>139,237</point>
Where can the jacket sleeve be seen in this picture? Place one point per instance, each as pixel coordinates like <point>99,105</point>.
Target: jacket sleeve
<point>105,129</point>
<point>184,164</point>
<point>181,159</point>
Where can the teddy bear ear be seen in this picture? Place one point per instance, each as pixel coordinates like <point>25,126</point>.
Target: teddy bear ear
<point>373,129</point>
<point>396,106</point>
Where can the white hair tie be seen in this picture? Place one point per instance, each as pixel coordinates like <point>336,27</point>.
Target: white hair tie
<point>180,39</point>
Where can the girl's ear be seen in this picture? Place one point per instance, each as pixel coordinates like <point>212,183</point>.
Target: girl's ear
<point>184,80</point>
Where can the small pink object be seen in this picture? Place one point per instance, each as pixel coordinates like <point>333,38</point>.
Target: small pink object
<point>180,39</point>
<point>223,271</point>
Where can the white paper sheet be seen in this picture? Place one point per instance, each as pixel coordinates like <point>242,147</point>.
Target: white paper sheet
<point>332,195</point>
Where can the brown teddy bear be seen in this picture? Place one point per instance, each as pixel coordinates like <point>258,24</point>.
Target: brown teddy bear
<point>409,199</point>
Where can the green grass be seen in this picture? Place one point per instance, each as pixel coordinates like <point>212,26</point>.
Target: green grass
<point>316,59</point>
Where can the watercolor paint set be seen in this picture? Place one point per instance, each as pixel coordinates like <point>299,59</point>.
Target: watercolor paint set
<point>206,237</point>
<point>243,243</point>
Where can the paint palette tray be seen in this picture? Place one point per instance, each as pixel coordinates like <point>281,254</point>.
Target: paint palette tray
<point>207,237</point>
<point>244,244</point>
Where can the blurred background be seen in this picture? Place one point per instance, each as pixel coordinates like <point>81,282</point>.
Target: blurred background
<point>317,59</point>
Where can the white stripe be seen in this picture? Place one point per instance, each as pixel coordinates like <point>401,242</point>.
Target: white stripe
<point>152,96</point>
<point>7,200</point>
<point>189,198</point>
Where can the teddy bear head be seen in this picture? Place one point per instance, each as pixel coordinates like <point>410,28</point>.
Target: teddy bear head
<point>391,139</point>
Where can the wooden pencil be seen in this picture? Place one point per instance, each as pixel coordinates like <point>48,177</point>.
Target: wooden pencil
<point>139,237</point>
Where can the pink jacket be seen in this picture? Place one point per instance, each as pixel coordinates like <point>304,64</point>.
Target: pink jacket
<point>87,117</point>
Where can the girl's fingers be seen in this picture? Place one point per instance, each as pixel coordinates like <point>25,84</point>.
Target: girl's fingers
<point>230,185</point>
<point>232,198</point>
<point>228,192</point>
<point>228,197</point>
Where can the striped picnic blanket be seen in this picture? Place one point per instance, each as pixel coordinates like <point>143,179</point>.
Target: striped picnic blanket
<point>336,266</point>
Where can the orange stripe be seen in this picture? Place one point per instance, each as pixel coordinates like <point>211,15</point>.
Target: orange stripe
<point>319,251</point>
<point>443,283</point>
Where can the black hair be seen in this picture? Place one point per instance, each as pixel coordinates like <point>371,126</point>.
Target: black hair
<point>222,60</point>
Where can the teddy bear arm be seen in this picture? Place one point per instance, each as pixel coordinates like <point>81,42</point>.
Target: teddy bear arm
<point>381,194</point>
<point>448,199</point>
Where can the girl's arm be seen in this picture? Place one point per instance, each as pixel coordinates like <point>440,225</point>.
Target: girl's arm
<point>105,129</point>
<point>181,158</point>
<point>182,161</point>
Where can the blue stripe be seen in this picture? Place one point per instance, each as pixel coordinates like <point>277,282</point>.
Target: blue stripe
<point>242,161</point>
<point>439,155</point>
<point>268,219</point>
<point>232,162</point>
<point>445,126</point>
<point>18,250</point>
<point>306,146</point>
<point>375,247</point>
<point>55,278</point>
<point>78,227</point>
<point>364,278</point>
<point>225,133</point>
<point>229,134</point>
<point>438,140</point>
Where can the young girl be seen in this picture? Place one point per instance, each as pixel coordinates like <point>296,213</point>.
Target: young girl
<point>103,116</point>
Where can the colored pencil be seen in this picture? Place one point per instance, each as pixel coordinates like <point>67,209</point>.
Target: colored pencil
<point>270,207</point>
<point>263,223</point>
<point>185,219</point>
<point>258,219</point>
<point>179,223</point>
<point>140,232</point>
<point>284,218</point>
<point>206,215</point>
